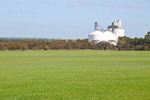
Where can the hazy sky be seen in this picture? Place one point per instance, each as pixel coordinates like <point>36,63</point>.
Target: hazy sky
<point>71,18</point>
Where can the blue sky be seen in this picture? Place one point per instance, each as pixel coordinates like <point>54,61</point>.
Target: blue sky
<point>71,18</point>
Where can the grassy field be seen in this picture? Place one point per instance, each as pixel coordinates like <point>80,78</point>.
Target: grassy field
<point>74,75</point>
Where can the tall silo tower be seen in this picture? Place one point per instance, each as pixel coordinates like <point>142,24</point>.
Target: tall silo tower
<point>116,28</point>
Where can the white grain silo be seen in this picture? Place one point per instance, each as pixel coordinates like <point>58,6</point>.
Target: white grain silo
<point>97,36</point>
<point>117,29</point>
<point>110,35</point>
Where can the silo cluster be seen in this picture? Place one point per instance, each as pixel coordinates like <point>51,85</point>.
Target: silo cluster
<point>110,35</point>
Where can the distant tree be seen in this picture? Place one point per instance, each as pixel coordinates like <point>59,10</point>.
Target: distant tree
<point>132,47</point>
<point>68,45</point>
<point>46,47</point>
<point>104,45</point>
<point>147,35</point>
<point>139,47</point>
<point>24,47</point>
<point>1,46</point>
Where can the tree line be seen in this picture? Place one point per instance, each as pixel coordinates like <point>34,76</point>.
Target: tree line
<point>127,43</point>
<point>24,39</point>
<point>124,43</point>
<point>55,45</point>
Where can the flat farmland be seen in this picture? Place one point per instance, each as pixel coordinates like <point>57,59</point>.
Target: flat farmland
<point>74,75</point>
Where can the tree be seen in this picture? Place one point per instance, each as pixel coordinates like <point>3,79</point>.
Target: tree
<point>104,45</point>
<point>139,47</point>
<point>46,47</point>
<point>24,47</point>
<point>147,35</point>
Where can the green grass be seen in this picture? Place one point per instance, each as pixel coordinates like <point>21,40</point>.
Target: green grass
<point>74,75</point>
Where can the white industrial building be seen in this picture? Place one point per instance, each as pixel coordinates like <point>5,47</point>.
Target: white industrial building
<point>110,35</point>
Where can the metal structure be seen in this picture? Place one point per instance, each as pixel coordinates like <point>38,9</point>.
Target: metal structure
<point>98,27</point>
<point>110,35</point>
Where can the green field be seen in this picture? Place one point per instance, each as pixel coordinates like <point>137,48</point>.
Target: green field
<point>74,75</point>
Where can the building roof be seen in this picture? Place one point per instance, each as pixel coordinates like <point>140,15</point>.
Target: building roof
<point>116,24</point>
